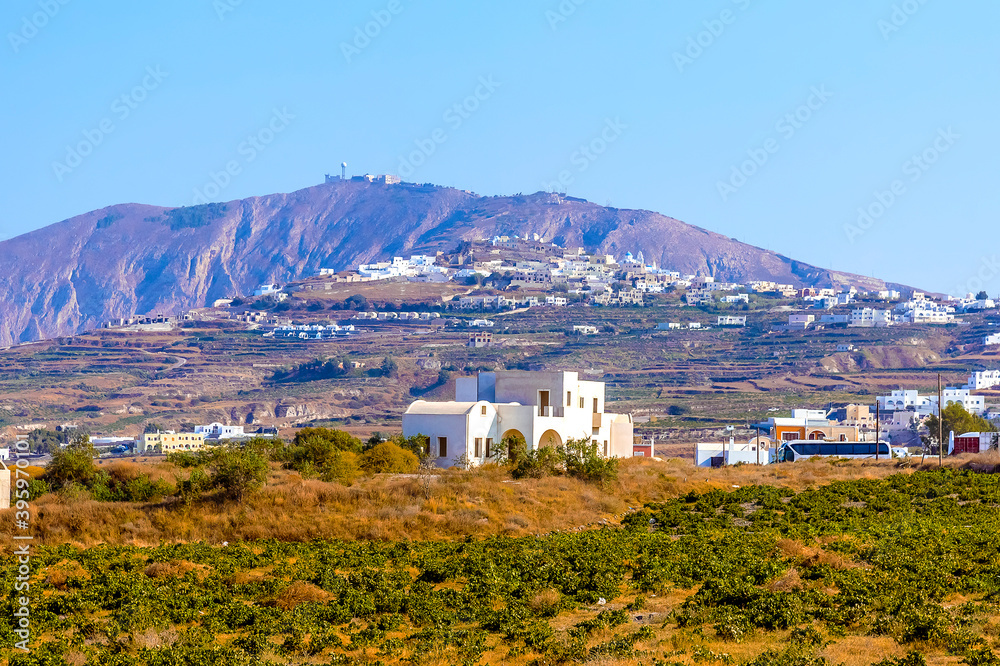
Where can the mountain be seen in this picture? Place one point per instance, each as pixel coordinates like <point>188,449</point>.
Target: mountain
<point>136,259</point>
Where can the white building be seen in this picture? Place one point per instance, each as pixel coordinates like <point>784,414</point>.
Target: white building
<point>542,408</point>
<point>902,399</point>
<point>981,381</point>
<point>731,321</point>
<point>992,339</point>
<point>219,431</point>
<point>758,451</point>
<point>870,318</point>
<point>800,321</point>
<point>5,453</point>
<point>266,290</point>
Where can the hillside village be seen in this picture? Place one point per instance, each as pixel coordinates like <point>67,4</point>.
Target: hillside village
<point>504,275</point>
<point>486,295</point>
<point>530,272</point>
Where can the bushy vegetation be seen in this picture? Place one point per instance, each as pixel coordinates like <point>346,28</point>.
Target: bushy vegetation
<point>908,562</point>
<point>955,418</point>
<point>579,458</point>
<point>192,217</point>
<point>315,370</point>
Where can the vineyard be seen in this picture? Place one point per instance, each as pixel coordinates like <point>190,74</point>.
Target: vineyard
<point>899,571</point>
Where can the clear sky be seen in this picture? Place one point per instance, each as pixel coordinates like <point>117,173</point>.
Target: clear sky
<point>771,122</point>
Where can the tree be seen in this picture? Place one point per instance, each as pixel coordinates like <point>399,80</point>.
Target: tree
<point>73,463</point>
<point>584,461</point>
<point>388,458</point>
<point>982,296</point>
<point>239,472</point>
<point>151,427</point>
<point>341,467</point>
<point>314,448</point>
<point>418,445</point>
<point>356,302</point>
<point>45,441</point>
<point>375,439</point>
<point>955,419</point>
<point>389,367</point>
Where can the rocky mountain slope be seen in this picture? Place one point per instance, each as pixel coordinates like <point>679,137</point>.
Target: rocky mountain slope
<point>136,259</point>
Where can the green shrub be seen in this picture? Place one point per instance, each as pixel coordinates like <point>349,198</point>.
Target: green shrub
<point>313,448</point>
<point>238,472</point>
<point>388,458</point>
<point>73,463</point>
<point>584,461</point>
<point>911,659</point>
<point>341,467</point>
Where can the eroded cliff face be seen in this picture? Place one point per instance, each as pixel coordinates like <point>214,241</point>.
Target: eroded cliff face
<point>135,259</point>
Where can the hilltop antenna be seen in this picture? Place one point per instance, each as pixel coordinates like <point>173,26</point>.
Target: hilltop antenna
<point>343,170</point>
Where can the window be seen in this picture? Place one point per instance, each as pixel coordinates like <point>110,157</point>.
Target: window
<point>605,448</point>
<point>489,446</point>
<point>479,447</point>
<point>581,402</point>
<point>483,412</point>
<point>569,398</point>
<point>595,405</point>
<point>442,447</point>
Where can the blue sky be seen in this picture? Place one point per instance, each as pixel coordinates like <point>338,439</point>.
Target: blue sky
<point>771,122</point>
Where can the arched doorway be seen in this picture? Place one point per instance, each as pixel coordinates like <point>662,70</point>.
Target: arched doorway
<point>513,440</point>
<point>550,439</point>
<point>817,434</point>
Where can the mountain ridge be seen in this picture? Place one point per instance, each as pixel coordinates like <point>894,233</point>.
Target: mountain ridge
<point>134,258</point>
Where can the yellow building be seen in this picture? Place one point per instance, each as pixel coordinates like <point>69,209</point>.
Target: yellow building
<point>169,442</point>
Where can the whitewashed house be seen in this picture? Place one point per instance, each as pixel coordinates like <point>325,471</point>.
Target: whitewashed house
<point>219,431</point>
<point>544,409</point>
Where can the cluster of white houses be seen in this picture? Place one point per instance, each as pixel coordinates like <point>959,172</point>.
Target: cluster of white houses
<point>533,262</point>
<point>851,431</point>
<point>310,331</point>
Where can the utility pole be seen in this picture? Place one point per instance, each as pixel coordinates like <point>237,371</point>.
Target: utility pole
<point>878,426</point>
<point>940,426</point>
<point>756,429</point>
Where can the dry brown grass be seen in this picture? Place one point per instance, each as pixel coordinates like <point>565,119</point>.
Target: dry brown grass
<point>457,504</point>
<point>301,592</point>
<point>813,556</point>
<point>61,573</point>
